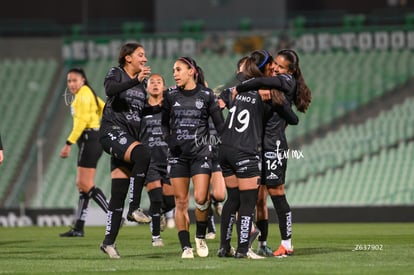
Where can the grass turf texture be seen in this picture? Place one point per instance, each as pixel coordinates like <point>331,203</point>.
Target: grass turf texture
<point>383,248</point>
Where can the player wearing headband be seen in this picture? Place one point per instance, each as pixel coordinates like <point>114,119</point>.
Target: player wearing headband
<point>289,80</point>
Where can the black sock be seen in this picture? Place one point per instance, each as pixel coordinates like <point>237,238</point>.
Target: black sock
<point>284,215</point>
<point>82,211</point>
<point>140,158</point>
<point>155,196</point>
<point>168,203</point>
<point>119,190</point>
<point>228,216</point>
<point>184,237</point>
<point>201,227</point>
<point>210,220</point>
<point>99,197</point>
<point>248,200</point>
<point>263,226</point>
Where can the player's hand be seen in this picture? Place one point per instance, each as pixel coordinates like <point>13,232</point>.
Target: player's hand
<point>265,94</point>
<point>65,152</point>
<point>144,73</point>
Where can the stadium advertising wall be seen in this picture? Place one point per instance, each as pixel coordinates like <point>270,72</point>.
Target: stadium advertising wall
<point>223,43</point>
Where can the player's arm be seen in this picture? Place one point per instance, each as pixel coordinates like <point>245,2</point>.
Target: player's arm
<point>286,112</point>
<point>113,84</point>
<point>216,114</point>
<point>275,82</point>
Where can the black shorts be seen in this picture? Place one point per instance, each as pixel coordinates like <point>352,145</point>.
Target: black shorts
<point>215,165</point>
<point>240,164</point>
<point>186,168</point>
<point>156,172</point>
<point>115,141</point>
<point>274,169</point>
<point>90,150</point>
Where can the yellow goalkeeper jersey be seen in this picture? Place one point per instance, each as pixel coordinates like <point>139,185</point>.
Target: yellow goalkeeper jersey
<point>86,113</point>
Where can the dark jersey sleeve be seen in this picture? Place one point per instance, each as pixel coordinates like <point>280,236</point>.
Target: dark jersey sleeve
<point>113,84</point>
<point>286,112</point>
<point>225,95</point>
<point>280,82</point>
<point>1,144</point>
<point>216,114</point>
<point>165,115</point>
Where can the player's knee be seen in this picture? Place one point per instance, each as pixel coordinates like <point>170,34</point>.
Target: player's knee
<point>141,155</point>
<point>203,206</point>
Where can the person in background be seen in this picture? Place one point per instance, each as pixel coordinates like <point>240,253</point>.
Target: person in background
<point>157,184</point>
<point>86,111</point>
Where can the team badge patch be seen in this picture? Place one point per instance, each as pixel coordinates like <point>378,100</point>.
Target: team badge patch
<point>199,103</point>
<point>123,140</point>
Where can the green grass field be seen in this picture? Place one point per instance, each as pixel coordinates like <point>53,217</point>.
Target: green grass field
<point>383,248</point>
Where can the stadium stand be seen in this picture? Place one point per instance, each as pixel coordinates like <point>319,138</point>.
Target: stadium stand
<point>25,84</point>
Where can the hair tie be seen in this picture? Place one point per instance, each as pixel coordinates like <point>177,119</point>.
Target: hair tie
<point>189,64</point>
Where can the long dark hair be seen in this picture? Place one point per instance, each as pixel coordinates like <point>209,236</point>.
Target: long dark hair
<point>303,95</point>
<point>125,50</point>
<point>199,73</point>
<point>255,63</point>
<point>83,74</point>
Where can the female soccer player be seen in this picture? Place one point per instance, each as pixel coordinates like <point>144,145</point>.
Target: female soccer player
<point>86,111</point>
<point>185,113</point>
<point>119,135</point>
<point>157,184</point>
<point>290,81</point>
<point>240,159</point>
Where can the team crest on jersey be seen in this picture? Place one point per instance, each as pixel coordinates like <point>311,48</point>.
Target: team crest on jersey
<point>122,140</point>
<point>199,103</point>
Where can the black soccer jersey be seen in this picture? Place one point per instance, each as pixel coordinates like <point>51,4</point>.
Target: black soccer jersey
<point>125,101</point>
<point>243,128</point>
<point>274,135</point>
<point>151,135</point>
<point>185,117</point>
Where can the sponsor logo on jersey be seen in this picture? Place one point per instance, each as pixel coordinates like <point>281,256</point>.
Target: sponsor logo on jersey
<point>272,176</point>
<point>270,155</point>
<point>176,104</point>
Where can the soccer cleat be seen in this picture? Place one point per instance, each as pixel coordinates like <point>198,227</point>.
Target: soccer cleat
<point>226,253</point>
<point>253,235</point>
<point>157,241</point>
<point>249,255</point>
<point>110,250</point>
<point>73,233</point>
<point>283,252</point>
<point>202,249</point>
<point>265,251</point>
<point>163,222</point>
<point>139,216</point>
<point>210,235</point>
<point>187,253</point>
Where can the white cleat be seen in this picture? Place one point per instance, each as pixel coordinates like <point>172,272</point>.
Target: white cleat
<point>187,253</point>
<point>111,251</point>
<point>202,248</point>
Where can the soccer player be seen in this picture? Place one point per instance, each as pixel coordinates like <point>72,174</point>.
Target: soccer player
<point>185,113</point>
<point>156,181</point>
<point>119,135</point>
<point>86,111</point>
<point>289,80</point>
<point>240,158</point>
